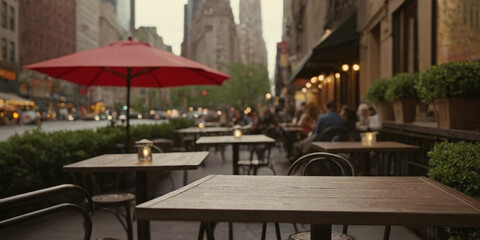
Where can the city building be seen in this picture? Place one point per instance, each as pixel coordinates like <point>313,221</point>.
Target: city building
<point>47,29</point>
<point>250,33</point>
<point>9,42</point>
<point>322,37</point>
<point>213,34</point>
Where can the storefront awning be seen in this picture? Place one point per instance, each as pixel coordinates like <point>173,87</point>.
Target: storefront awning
<point>340,46</point>
<point>13,99</point>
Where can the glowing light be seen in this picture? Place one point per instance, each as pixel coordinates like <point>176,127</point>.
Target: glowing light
<point>237,133</point>
<point>337,75</point>
<point>125,107</point>
<point>190,109</point>
<point>320,86</point>
<point>345,67</point>
<point>314,79</point>
<point>219,113</point>
<point>321,77</point>
<point>304,90</point>
<point>308,85</point>
<point>356,67</point>
<point>201,125</point>
<point>268,95</point>
<point>15,115</point>
<point>152,112</point>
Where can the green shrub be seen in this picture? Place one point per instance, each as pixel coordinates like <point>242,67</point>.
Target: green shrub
<point>452,79</point>
<point>35,159</point>
<point>376,91</point>
<point>458,165</point>
<point>402,86</point>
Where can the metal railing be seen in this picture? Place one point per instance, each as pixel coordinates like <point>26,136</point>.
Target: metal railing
<point>47,193</point>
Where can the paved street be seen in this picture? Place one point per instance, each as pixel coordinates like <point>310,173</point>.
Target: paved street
<point>51,126</point>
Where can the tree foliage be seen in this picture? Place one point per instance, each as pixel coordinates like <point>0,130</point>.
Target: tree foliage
<point>246,88</point>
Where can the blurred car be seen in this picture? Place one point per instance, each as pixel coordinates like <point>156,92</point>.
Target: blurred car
<point>133,115</point>
<point>91,116</point>
<point>30,117</point>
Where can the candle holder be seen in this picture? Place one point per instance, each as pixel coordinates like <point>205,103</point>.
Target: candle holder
<point>201,125</point>
<point>237,133</point>
<point>144,150</point>
<point>369,138</point>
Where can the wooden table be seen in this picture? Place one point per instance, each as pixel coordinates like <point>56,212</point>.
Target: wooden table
<point>358,147</point>
<point>319,201</point>
<point>236,142</point>
<point>206,130</point>
<point>129,163</point>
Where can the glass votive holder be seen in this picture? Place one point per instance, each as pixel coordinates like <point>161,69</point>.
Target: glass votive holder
<point>369,138</point>
<point>144,150</point>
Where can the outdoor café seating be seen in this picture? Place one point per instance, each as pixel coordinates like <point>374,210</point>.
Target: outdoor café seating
<point>263,159</point>
<point>36,200</point>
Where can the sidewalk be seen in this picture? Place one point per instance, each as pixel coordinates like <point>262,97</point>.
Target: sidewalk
<point>69,226</point>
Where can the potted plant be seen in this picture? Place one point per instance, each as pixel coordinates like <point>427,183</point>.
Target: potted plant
<point>376,96</point>
<point>454,88</point>
<point>402,93</point>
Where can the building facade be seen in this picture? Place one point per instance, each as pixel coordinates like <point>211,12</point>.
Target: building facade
<point>47,30</point>
<point>321,37</point>
<point>9,45</point>
<point>213,39</point>
<point>250,33</point>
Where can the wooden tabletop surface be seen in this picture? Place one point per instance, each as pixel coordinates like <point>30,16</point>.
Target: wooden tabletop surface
<point>343,147</point>
<point>316,200</point>
<point>204,130</point>
<point>245,139</point>
<point>129,162</point>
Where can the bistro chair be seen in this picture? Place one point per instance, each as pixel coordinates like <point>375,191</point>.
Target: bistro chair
<point>32,205</point>
<point>120,204</point>
<point>318,164</point>
<point>253,164</point>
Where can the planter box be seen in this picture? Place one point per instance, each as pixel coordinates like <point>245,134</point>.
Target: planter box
<point>405,110</point>
<point>457,113</point>
<point>384,111</point>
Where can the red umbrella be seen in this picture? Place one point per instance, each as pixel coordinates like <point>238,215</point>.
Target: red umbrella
<point>129,63</point>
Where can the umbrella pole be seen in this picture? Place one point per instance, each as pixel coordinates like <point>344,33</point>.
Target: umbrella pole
<point>127,145</point>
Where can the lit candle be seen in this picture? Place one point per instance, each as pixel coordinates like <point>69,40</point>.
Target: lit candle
<point>237,133</point>
<point>201,125</point>
<point>369,138</point>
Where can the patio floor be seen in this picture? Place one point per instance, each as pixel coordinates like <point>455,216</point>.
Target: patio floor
<point>66,225</point>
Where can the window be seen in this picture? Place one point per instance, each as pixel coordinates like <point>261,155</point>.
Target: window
<point>4,14</point>
<point>12,52</point>
<point>405,38</point>
<point>4,49</point>
<point>12,18</point>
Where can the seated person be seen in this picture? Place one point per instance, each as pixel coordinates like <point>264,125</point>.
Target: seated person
<point>307,121</point>
<point>328,119</point>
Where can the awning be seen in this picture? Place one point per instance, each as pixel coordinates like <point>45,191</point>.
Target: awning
<point>340,46</point>
<point>13,99</point>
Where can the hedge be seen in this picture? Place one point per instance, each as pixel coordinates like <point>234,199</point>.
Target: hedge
<point>457,165</point>
<point>35,159</point>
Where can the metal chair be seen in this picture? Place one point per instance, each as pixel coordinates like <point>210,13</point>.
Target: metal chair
<point>319,164</point>
<point>48,193</point>
<point>263,160</point>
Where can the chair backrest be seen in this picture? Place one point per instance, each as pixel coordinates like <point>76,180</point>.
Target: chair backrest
<point>262,151</point>
<point>334,133</point>
<point>321,164</point>
<point>48,193</point>
<point>156,149</point>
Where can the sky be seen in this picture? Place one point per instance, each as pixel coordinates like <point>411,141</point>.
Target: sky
<point>167,16</point>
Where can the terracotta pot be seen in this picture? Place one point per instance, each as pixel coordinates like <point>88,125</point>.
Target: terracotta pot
<point>384,111</point>
<point>405,110</point>
<point>457,113</point>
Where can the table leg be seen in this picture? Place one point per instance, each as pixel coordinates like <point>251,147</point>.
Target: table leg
<point>366,164</point>
<point>235,158</point>
<point>320,232</point>
<point>143,227</point>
